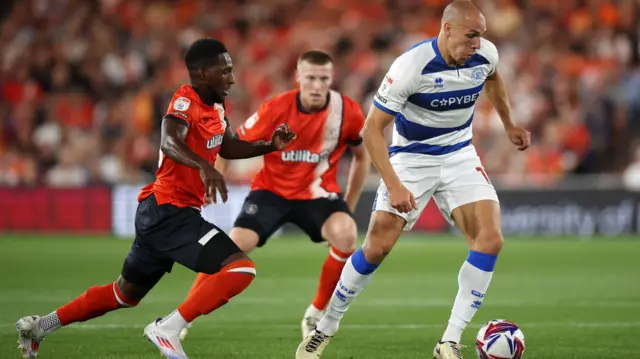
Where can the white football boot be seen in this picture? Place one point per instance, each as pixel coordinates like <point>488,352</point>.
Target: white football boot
<point>313,345</point>
<point>168,342</point>
<point>309,320</point>
<point>447,350</point>
<point>29,336</point>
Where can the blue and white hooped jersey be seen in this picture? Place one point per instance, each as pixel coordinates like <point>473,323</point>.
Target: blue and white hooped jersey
<point>433,102</point>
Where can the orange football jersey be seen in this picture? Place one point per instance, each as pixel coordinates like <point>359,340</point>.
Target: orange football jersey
<point>176,183</point>
<point>308,167</point>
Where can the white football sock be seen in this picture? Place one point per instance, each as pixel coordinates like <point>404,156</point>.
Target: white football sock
<point>312,312</point>
<point>173,321</point>
<point>473,281</point>
<point>357,273</point>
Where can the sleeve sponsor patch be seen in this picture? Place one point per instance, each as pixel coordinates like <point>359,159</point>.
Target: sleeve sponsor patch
<point>181,104</point>
<point>183,115</point>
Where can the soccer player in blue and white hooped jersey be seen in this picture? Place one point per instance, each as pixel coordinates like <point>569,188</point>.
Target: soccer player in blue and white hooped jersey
<point>429,94</point>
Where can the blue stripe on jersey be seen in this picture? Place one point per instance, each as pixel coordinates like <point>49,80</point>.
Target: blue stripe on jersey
<point>425,149</point>
<point>448,100</point>
<point>416,132</point>
<point>438,64</point>
<point>384,109</point>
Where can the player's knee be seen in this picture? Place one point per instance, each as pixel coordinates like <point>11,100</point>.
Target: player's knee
<point>375,253</point>
<point>489,241</point>
<point>236,257</point>
<point>382,235</point>
<point>129,294</point>
<point>340,230</point>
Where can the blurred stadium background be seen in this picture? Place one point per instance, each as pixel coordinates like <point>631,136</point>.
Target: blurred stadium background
<point>84,84</point>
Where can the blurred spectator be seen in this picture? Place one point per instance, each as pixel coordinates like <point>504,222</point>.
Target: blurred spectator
<point>84,84</point>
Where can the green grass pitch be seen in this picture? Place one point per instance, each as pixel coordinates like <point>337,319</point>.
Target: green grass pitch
<point>572,298</point>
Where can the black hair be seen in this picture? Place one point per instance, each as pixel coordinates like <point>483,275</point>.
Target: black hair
<point>203,53</point>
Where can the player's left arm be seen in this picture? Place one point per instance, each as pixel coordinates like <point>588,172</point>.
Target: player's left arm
<point>360,167</point>
<point>233,148</point>
<point>361,162</point>
<point>496,91</point>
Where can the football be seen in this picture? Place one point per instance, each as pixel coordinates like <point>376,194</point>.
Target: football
<point>500,339</point>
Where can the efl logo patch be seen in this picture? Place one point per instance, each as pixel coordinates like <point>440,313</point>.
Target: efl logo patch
<point>181,104</point>
<point>385,87</point>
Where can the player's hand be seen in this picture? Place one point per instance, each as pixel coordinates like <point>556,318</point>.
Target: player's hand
<point>281,137</point>
<point>213,182</point>
<point>519,137</point>
<point>402,200</point>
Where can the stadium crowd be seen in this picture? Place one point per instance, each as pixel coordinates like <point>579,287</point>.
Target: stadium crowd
<point>84,84</point>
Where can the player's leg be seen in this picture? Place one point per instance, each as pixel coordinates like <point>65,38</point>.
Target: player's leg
<point>384,230</point>
<point>385,227</point>
<point>140,272</point>
<point>262,214</point>
<point>230,271</point>
<point>330,220</point>
<point>470,201</point>
<point>251,229</point>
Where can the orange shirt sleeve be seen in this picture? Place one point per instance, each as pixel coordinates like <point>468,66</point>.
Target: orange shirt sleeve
<point>258,127</point>
<point>355,122</point>
<point>183,108</point>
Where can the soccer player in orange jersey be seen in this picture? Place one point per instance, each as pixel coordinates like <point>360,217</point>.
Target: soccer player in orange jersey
<point>169,227</point>
<point>299,185</point>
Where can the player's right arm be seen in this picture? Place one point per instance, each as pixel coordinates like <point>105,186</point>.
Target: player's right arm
<point>173,134</point>
<point>396,87</point>
<point>172,143</point>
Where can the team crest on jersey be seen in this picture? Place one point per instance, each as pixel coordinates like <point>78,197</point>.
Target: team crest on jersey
<point>181,104</point>
<point>477,76</point>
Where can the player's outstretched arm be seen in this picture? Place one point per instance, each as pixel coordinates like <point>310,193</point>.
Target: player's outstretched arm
<point>233,148</point>
<point>497,93</point>
<point>173,145</point>
<point>360,166</point>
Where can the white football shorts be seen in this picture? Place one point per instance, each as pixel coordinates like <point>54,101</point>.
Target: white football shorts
<point>457,180</point>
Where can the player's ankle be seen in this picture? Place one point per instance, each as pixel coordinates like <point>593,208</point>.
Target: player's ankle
<point>328,325</point>
<point>453,333</point>
<point>174,321</point>
<point>313,311</point>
